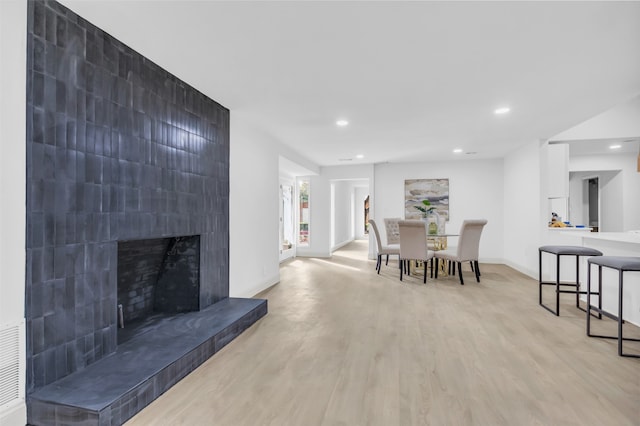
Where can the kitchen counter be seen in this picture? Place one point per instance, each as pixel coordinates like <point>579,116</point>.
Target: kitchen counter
<point>622,237</point>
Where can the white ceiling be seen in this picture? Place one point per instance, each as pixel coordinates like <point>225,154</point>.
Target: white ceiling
<point>415,79</point>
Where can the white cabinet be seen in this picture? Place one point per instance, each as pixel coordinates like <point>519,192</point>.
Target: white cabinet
<point>558,171</point>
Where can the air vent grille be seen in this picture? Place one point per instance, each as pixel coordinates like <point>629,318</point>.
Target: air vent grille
<point>11,342</point>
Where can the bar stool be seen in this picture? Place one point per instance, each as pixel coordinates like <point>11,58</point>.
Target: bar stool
<point>560,251</point>
<point>621,264</point>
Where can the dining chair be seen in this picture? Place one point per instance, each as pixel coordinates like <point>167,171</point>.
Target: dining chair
<point>467,250</point>
<point>413,245</point>
<point>393,249</point>
<point>391,227</point>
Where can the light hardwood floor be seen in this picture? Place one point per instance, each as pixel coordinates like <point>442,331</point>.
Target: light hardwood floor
<point>342,345</point>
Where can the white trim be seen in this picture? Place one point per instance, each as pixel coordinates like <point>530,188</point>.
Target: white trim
<point>313,254</point>
<point>522,269</point>
<point>14,414</point>
<point>260,287</point>
<point>342,244</point>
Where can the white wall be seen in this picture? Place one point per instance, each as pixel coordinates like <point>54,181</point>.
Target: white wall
<point>522,208</point>
<point>619,122</point>
<point>13,31</point>
<point>253,211</point>
<point>475,192</point>
<point>343,219</point>
<point>630,183</point>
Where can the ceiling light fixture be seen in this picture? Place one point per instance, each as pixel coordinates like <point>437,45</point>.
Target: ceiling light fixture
<point>615,147</point>
<point>502,110</point>
<point>342,123</point>
<point>360,156</point>
<point>457,150</point>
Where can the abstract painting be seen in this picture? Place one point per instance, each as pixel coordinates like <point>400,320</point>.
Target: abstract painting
<point>434,190</point>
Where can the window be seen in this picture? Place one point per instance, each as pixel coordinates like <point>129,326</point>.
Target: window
<point>303,209</point>
<point>287,229</point>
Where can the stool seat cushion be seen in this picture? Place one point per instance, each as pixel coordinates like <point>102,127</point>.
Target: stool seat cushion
<point>571,250</point>
<point>622,263</point>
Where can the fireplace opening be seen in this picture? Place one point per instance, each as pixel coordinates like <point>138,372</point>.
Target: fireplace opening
<point>157,279</point>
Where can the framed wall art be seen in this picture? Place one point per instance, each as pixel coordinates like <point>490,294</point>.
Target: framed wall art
<point>434,190</point>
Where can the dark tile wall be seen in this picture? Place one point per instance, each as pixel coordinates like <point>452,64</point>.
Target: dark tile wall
<point>117,149</point>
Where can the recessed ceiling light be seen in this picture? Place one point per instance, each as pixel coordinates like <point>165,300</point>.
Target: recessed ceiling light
<point>502,110</point>
<point>360,156</point>
<point>342,123</point>
<point>457,150</point>
<point>615,147</point>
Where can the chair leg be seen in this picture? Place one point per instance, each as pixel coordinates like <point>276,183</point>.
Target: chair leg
<point>471,264</point>
<point>460,273</point>
<point>437,268</point>
<point>425,272</point>
<point>401,263</point>
<point>476,270</point>
<point>432,267</point>
<point>378,264</point>
<point>387,260</point>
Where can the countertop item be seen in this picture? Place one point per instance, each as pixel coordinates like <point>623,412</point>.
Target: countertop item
<point>570,229</point>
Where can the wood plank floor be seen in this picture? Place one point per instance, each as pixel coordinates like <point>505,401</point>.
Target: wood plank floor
<point>342,345</point>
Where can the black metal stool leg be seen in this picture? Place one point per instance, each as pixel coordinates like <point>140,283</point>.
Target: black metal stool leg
<point>540,277</point>
<point>588,299</point>
<point>577,281</point>
<point>620,338</point>
<point>557,285</point>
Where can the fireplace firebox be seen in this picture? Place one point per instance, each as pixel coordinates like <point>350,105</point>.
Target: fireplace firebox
<point>156,278</point>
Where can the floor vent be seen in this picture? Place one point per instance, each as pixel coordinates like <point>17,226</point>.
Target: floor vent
<point>11,368</point>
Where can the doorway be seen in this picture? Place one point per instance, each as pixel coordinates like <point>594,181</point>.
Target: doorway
<point>593,202</point>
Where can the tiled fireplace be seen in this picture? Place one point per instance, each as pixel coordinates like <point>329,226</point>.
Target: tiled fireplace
<point>127,178</point>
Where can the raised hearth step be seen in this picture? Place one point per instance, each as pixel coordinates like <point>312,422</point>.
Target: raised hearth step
<point>114,389</point>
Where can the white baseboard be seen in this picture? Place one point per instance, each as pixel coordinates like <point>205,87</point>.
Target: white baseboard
<point>14,414</point>
<point>529,272</point>
<point>313,254</point>
<point>342,244</point>
<point>259,287</point>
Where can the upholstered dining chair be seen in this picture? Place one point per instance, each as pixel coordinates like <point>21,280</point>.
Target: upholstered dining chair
<point>391,228</point>
<point>468,248</point>
<point>413,244</point>
<point>393,249</point>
